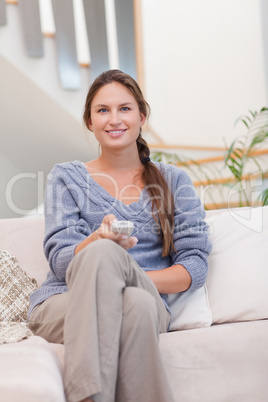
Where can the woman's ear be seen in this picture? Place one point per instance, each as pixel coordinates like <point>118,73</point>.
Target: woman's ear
<point>143,118</point>
<point>89,124</point>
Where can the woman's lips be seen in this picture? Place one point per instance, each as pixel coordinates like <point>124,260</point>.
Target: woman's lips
<point>116,133</point>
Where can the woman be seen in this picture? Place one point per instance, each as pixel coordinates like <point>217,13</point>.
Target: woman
<point>108,305</point>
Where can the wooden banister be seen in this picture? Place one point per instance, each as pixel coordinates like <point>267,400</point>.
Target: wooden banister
<point>225,180</point>
<point>201,161</point>
<point>219,158</point>
<point>190,147</point>
<point>224,205</point>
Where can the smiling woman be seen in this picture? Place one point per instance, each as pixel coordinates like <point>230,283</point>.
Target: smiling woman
<point>105,297</point>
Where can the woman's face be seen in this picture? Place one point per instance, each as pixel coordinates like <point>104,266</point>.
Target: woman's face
<point>115,117</point>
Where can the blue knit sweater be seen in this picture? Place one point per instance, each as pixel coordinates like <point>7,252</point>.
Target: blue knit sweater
<point>75,205</point>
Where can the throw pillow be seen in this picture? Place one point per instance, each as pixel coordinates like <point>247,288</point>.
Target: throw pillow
<point>13,332</point>
<point>15,289</point>
<point>237,280</point>
<point>189,309</point>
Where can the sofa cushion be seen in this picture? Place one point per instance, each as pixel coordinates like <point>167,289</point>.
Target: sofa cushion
<point>190,309</point>
<point>15,289</point>
<point>11,332</point>
<point>238,273</point>
<point>223,363</point>
<point>30,372</point>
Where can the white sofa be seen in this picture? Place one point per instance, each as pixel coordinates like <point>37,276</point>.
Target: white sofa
<point>218,350</point>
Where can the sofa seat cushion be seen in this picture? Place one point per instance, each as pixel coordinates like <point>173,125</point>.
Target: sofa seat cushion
<point>30,371</point>
<point>226,362</point>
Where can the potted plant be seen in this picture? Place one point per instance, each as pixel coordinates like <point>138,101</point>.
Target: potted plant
<point>243,158</point>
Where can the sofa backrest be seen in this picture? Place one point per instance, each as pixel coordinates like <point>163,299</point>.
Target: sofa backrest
<point>237,283</point>
<point>23,238</point>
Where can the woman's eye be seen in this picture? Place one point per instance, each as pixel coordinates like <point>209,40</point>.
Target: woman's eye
<point>125,108</point>
<point>103,110</point>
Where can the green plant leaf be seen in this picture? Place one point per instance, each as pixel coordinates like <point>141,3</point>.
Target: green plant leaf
<point>235,172</point>
<point>253,114</point>
<point>264,197</point>
<point>244,121</point>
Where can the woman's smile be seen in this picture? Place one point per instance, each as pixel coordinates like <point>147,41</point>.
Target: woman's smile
<point>116,133</point>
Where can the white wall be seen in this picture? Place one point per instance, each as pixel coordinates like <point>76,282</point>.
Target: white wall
<point>204,67</point>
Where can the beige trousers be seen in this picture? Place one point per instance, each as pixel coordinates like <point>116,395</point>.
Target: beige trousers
<point>109,321</point>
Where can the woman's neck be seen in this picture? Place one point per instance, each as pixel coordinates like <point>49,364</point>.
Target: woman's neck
<point>118,161</point>
<point>119,175</point>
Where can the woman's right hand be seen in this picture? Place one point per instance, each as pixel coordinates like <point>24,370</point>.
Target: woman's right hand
<point>105,232</point>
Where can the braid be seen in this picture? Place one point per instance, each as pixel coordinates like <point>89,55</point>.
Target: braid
<point>161,196</point>
<point>143,148</point>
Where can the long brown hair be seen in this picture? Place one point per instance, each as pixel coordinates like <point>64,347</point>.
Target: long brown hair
<point>158,190</point>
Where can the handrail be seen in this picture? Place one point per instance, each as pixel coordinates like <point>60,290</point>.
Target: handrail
<point>190,147</point>
<point>225,205</point>
<point>225,180</point>
<point>208,160</point>
<point>218,158</point>
<point>200,161</point>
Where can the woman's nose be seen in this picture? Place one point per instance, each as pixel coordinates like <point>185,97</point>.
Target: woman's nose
<point>115,118</point>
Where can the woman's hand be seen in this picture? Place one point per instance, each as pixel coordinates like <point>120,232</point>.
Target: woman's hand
<point>105,232</point>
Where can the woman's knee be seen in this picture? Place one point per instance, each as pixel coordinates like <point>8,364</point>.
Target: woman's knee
<point>100,255</point>
<point>103,245</point>
<point>102,248</point>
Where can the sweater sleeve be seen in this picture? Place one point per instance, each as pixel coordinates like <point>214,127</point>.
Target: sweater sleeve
<point>64,228</point>
<point>190,230</point>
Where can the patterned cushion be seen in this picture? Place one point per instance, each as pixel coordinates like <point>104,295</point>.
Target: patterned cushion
<point>13,332</point>
<point>15,289</point>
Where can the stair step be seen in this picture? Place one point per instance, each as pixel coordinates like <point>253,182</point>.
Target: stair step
<point>30,19</point>
<point>68,67</point>
<point>3,17</point>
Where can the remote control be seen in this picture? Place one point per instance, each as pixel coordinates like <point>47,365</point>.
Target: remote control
<point>122,227</point>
